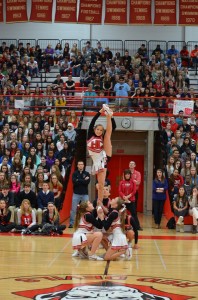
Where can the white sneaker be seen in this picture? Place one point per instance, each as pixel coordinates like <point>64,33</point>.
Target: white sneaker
<point>107,110</point>
<point>180,220</point>
<point>95,257</point>
<point>128,254</point>
<point>122,255</point>
<point>75,254</point>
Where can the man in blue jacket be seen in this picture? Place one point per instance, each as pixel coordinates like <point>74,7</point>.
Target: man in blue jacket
<point>80,179</point>
<point>44,197</point>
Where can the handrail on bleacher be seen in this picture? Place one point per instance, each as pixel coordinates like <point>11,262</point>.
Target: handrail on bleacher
<point>114,45</point>
<point>87,103</point>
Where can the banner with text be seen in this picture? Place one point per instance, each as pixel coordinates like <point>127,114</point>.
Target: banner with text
<point>185,105</point>
<point>16,11</point>
<point>1,10</point>
<point>116,12</point>
<point>41,11</point>
<point>188,12</point>
<point>66,11</point>
<point>165,12</point>
<point>90,11</point>
<point>140,12</point>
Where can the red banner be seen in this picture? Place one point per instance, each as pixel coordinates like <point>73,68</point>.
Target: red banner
<point>1,10</point>
<point>90,11</point>
<point>140,12</point>
<point>116,12</point>
<point>16,11</point>
<point>165,12</point>
<point>66,11</point>
<point>188,12</point>
<point>41,11</point>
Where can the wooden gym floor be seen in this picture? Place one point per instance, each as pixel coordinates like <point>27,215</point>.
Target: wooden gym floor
<point>35,267</point>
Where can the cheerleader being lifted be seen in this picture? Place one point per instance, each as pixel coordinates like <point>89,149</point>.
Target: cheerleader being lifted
<point>99,146</point>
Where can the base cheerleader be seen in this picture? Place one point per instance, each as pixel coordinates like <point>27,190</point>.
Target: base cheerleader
<point>84,235</point>
<point>116,222</point>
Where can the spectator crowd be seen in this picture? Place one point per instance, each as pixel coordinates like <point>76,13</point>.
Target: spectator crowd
<point>180,135</point>
<point>136,79</point>
<point>36,152</point>
<point>36,149</point>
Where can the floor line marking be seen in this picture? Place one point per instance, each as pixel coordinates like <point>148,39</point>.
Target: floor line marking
<point>160,255</point>
<point>136,259</point>
<point>55,258</point>
<point>184,237</point>
<point>107,267</point>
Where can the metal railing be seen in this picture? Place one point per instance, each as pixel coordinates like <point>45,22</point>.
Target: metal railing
<point>114,45</point>
<point>32,42</point>
<point>44,43</point>
<point>133,45</point>
<point>9,42</point>
<point>153,44</point>
<point>132,104</point>
<point>92,41</point>
<point>70,42</point>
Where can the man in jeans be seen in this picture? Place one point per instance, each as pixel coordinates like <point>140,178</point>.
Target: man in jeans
<point>136,178</point>
<point>80,179</point>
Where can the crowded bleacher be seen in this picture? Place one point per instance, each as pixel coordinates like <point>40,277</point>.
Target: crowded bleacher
<point>38,124</point>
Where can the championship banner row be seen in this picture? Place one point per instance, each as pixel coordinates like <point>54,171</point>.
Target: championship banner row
<point>90,11</point>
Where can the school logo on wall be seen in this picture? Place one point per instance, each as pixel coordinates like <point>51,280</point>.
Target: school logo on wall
<point>101,291</point>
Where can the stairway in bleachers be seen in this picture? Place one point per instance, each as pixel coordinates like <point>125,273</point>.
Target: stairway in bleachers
<point>193,80</point>
<point>48,79</point>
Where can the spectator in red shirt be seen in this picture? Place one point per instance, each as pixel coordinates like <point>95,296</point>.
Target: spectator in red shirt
<point>165,121</point>
<point>194,55</point>
<point>184,54</point>
<point>174,125</point>
<point>127,190</point>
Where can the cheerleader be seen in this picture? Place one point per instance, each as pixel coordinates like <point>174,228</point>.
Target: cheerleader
<point>84,234</point>
<point>99,146</point>
<point>105,205</point>
<point>116,222</point>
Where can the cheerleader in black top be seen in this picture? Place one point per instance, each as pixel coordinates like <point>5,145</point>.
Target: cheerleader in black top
<point>84,234</point>
<point>105,205</point>
<point>100,147</point>
<point>116,222</point>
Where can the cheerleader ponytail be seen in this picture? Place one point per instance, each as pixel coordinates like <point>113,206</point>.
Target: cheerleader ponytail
<point>121,210</point>
<point>81,209</point>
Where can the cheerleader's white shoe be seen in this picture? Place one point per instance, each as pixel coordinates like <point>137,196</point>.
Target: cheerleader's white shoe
<point>107,110</point>
<point>75,254</point>
<point>128,254</point>
<point>95,257</point>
